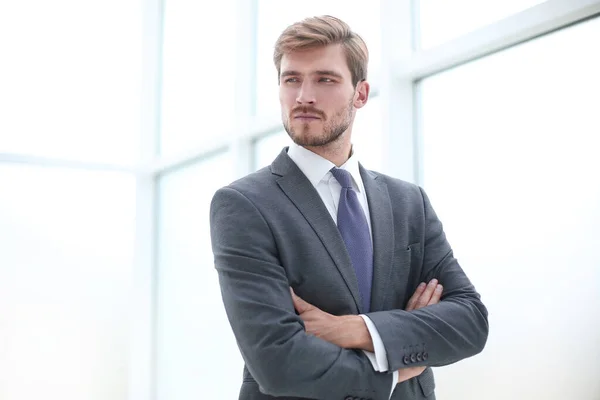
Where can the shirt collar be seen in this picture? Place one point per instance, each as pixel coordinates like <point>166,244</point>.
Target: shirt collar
<point>317,168</point>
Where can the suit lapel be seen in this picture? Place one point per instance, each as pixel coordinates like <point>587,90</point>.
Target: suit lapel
<point>306,198</point>
<point>382,224</point>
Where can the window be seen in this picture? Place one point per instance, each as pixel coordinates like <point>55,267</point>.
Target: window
<point>66,255</point>
<point>197,356</point>
<point>71,85</point>
<point>441,20</point>
<point>267,148</point>
<point>511,166</point>
<point>199,73</point>
<point>367,135</point>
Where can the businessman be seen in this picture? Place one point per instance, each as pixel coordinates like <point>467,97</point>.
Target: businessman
<point>338,281</point>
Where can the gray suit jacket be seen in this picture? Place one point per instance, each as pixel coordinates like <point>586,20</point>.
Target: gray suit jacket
<point>270,230</point>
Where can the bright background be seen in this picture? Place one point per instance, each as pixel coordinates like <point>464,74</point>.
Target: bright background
<point>120,119</point>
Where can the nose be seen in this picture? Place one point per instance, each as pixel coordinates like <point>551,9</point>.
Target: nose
<point>306,94</point>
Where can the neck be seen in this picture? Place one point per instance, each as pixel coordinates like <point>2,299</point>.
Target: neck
<point>337,152</point>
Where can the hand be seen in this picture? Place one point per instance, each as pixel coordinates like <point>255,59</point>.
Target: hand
<point>405,374</point>
<point>425,295</point>
<point>340,331</point>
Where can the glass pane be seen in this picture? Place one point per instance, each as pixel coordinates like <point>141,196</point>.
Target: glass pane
<point>275,15</point>
<point>198,91</point>
<point>367,135</point>
<point>267,148</point>
<point>511,165</point>
<point>70,81</point>
<point>66,258</point>
<point>197,355</point>
<point>442,20</point>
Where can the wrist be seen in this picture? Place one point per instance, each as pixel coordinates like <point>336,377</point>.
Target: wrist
<point>360,338</point>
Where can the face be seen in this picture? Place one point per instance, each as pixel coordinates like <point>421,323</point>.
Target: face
<point>318,100</point>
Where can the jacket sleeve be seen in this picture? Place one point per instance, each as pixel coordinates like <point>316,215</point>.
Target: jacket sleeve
<point>282,358</point>
<point>441,334</point>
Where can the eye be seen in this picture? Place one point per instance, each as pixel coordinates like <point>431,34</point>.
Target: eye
<point>291,80</point>
<point>326,80</point>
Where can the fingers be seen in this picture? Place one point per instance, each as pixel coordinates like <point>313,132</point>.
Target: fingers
<point>425,295</point>
<point>413,300</point>
<point>299,304</point>
<point>437,295</point>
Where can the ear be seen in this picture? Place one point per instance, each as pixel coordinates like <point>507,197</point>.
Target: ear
<point>361,96</point>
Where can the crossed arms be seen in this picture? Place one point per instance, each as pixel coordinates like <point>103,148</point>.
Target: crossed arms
<point>285,359</point>
<point>351,332</point>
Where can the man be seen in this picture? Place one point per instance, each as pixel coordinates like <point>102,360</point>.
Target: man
<point>323,264</point>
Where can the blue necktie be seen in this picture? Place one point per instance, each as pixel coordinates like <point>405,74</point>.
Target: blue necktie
<point>353,226</point>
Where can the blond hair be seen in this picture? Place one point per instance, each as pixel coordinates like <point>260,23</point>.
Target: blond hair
<point>322,31</point>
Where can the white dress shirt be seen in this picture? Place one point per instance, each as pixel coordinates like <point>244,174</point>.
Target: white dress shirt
<point>318,171</point>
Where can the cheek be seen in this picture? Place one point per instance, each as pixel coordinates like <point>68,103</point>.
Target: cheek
<point>286,96</point>
<point>336,98</point>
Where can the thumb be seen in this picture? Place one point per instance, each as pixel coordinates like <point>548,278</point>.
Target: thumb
<point>299,304</point>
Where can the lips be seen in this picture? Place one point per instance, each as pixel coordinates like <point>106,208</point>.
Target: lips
<point>306,116</point>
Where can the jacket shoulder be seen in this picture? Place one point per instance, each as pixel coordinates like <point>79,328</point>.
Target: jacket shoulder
<point>398,185</point>
<point>254,183</point>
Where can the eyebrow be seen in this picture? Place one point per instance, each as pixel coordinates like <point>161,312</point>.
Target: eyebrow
<point>329,72</point>
<point>318,72</point>
<point>289,73</point>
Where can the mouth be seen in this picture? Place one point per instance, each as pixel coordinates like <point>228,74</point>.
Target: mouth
<point>306,117</point>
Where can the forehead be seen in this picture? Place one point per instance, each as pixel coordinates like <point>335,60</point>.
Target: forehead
<point>332,58</point>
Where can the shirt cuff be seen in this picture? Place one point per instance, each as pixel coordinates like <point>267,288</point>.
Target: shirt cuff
<point>379,358</point>
<point>371,357</point>
<point>394,382</point>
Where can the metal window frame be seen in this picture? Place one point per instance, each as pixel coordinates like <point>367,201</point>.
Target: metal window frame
<point>142,362</point>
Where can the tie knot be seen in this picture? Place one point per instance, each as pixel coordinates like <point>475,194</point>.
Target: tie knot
<point>342,176</point>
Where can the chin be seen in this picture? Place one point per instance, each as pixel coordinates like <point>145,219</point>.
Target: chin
<point>304,137</point>
<point>310,134</point>
<point>309,140</point>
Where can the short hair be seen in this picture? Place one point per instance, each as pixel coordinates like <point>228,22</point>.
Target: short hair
<point>321,31</point>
